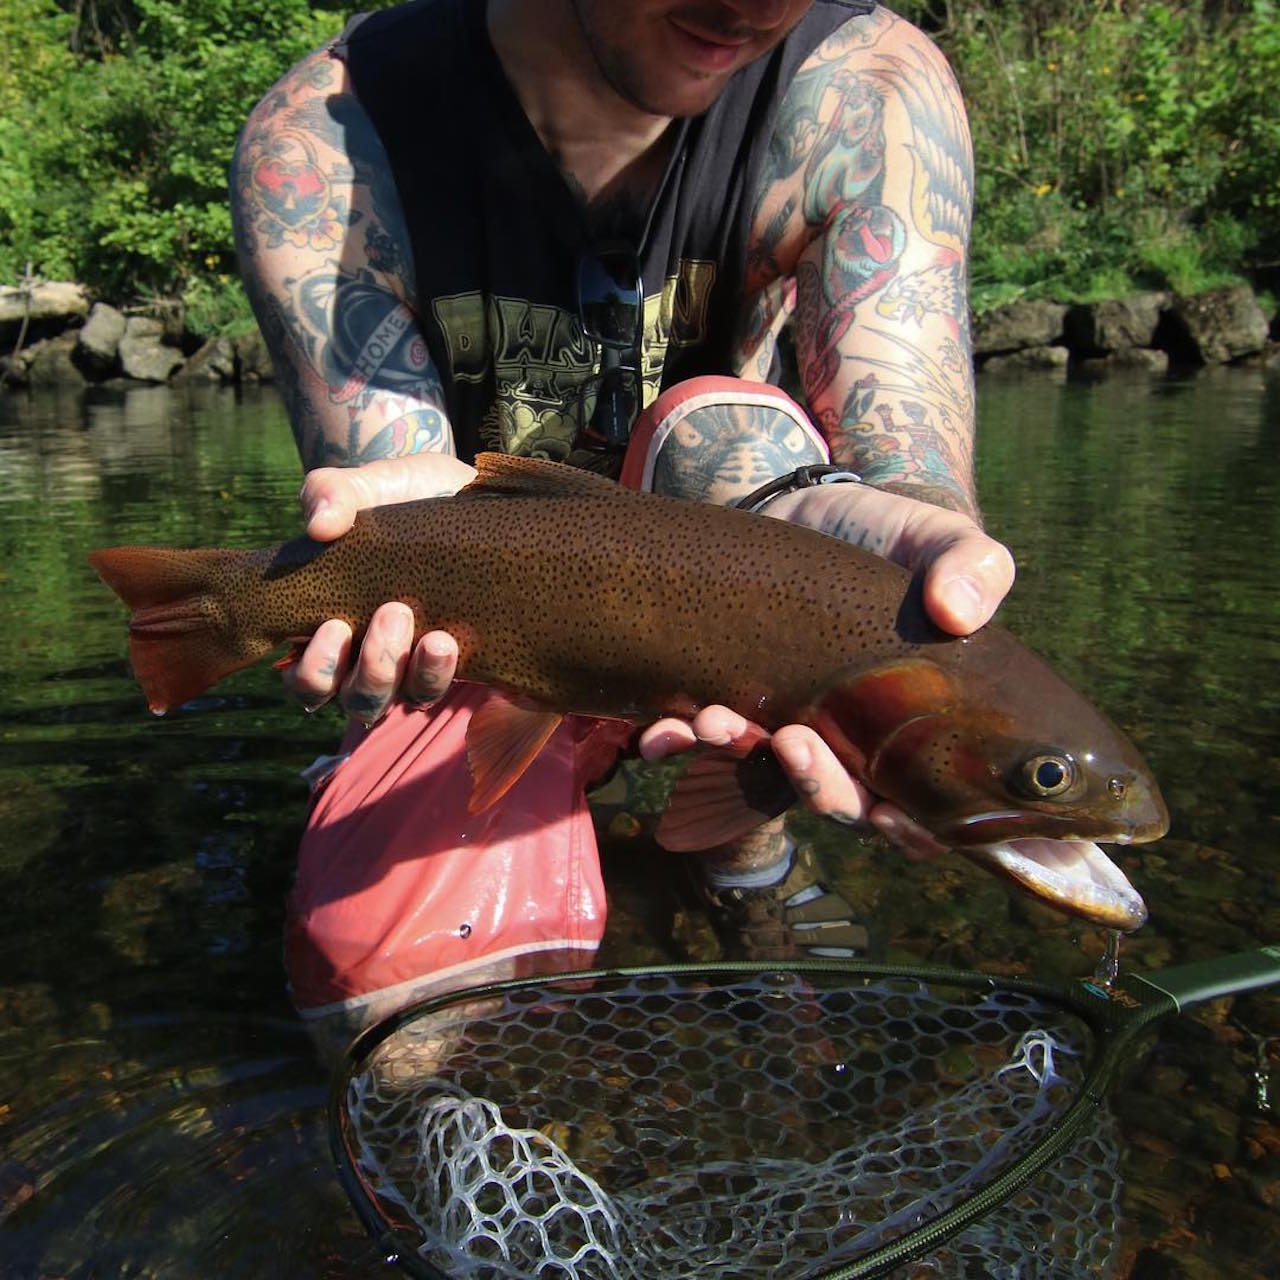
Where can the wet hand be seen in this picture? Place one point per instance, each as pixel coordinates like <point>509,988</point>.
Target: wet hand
<point>331,496</point>
<point>388,664</point>
<point>967,573</point>
<point>823,782</point>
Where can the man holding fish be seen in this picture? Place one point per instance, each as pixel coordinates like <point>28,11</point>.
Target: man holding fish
<point>575,230</point>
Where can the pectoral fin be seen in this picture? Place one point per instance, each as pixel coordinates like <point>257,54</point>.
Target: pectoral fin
<point>722,795</point>
<point>502,740</point>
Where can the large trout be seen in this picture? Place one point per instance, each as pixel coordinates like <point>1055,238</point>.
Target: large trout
<point>578,596</point>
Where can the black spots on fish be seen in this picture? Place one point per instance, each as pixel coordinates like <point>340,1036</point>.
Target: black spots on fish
<point>939,757</point>
<point>651,600</point>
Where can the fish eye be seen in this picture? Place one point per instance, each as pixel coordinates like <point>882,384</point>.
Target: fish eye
<point>1048,775</point>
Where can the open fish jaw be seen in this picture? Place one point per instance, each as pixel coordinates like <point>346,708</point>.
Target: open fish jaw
<point>1074,875</point>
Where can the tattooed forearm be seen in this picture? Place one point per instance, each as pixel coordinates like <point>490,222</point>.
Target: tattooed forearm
<point>311,189</point>
<point>279,335</point>
<point>363,343</point>
<point>906,425</point>
<point>720,453</point>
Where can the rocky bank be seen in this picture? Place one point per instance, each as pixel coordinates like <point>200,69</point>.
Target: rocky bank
<point>53,334</point>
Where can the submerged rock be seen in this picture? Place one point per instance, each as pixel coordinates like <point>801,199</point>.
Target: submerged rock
<point>46,308</point>
<point>98,344</point>
<point>1127,360</point>
<point>213,362</point>
<point>48,364</point>
<point>254,359</point>
<point>1116,324</point>
<point>1029,360</point>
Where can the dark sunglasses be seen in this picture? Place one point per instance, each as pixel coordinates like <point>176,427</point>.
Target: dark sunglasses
<point>611,312</point>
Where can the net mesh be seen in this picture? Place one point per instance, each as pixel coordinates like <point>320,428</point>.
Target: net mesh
<point>731,1126</point>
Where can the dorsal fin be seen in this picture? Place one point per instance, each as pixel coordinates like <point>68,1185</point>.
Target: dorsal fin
<point>510,474</point>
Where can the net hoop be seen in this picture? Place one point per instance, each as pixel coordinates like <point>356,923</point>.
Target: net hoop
<point>1113,1024</point>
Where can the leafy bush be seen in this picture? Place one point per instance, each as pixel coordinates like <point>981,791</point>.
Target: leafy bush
<point>113,162</point>
<point>1118,145</point>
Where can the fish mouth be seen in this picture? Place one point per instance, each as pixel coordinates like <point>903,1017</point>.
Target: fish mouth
<point>1072,875</point>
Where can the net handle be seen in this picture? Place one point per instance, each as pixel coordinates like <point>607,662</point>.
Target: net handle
<point>1189,984</point>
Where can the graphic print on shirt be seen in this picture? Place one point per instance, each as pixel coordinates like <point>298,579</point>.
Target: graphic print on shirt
<point>545,370</point>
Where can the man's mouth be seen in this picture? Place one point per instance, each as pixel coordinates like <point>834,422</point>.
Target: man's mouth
<point>706,49</point>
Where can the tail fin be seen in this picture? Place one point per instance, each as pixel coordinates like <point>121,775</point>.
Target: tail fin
<point>181,639</point>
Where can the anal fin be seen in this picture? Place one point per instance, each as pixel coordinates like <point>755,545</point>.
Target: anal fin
<point>286,660</point>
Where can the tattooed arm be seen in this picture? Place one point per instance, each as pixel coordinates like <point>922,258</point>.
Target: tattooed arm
<point>860,235</point>
<point>862,227</point>
<point>326,260</point>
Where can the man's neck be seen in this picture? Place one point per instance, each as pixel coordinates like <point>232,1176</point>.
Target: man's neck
<point>608,149</point>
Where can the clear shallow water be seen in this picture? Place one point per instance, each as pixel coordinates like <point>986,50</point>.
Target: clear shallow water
<point>161,1113</point>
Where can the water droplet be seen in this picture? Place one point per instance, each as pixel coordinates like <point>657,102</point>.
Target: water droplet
<point>1109,966</point>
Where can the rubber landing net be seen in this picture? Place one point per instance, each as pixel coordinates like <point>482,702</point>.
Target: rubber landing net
<point>834,1119</point>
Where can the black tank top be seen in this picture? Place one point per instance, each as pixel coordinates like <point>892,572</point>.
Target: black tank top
<point>497,231</point>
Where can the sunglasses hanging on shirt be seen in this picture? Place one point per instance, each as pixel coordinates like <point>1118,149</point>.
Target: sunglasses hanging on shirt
<point>611,312</point>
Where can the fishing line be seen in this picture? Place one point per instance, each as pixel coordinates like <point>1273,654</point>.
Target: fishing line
<point>828,1119</point>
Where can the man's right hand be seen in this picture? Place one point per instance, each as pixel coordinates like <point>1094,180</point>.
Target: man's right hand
<point>388,664</point>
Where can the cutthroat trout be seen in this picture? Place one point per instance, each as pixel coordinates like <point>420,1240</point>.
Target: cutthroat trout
<point>578,596</point>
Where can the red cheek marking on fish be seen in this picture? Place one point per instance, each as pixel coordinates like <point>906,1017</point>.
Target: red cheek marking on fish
<point>850,754</point>
<point>862,713</point>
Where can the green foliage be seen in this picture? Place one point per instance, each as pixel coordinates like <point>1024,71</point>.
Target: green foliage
<point>214,304</point>
<point>113,161</point>
<point>1118,145</point>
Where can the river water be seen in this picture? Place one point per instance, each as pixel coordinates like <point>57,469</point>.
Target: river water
<point>162,1112</point>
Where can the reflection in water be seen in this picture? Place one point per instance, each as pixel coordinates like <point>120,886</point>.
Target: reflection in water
<point>160,1112</point>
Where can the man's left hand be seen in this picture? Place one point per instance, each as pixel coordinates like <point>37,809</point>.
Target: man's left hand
<point>967,575</point>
